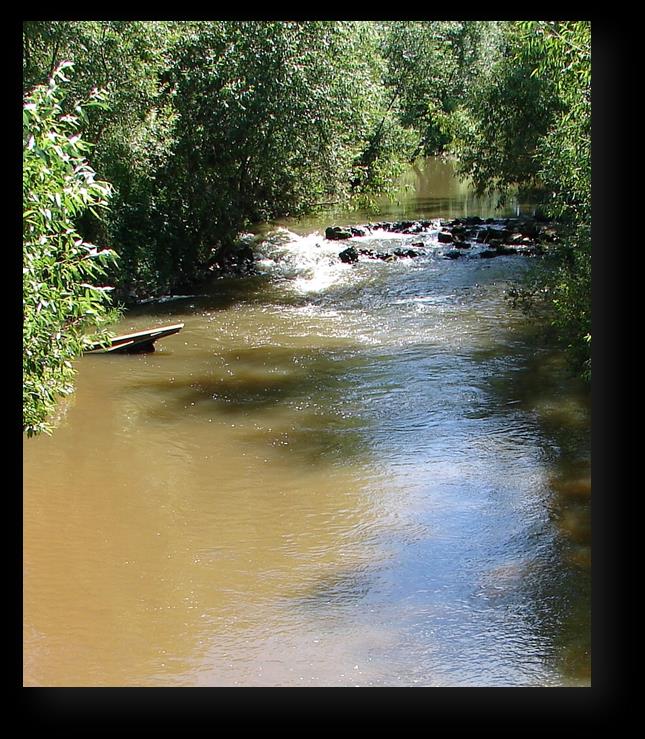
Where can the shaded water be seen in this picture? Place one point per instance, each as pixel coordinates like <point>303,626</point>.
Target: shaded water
<point>368,474</point>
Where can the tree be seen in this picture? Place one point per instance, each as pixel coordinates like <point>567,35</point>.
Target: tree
<point>530,125</point>
<point>431,66</point>
<point>217,124</point>
<point>564,154</point>
<point>129,135</point>
<point>269,119</point>
<point>497,128</point>
<point>61,296</point>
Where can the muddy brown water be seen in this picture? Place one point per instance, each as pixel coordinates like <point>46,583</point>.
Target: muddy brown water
<point>335,475</point>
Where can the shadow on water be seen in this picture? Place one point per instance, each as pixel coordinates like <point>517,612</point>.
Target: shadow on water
<point>214,294</point>
<point>538,384</point>
<point>258,378</point>
<point>219,294</point>
<point>337,589</point>
<point>304,394</point>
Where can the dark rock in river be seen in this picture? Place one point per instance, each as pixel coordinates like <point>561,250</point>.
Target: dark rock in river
<point>346,232</point>
<point>529,228</point>
<point>406,253</point>
<point>401,226</point>
<point>383,256</point>
<point>488,235</point>
<point>349,255</point>
<point>459,233</point>
<point>502,236</point>
<point>336,233</point>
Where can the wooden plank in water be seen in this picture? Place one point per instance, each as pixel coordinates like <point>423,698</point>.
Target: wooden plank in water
<point>137,341</point>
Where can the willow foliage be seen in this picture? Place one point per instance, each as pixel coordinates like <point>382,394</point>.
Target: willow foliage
<point>529,125</point>
<point>62,295</point>
<point>267,119</point>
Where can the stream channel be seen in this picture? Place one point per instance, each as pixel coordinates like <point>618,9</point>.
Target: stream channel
<point>369,474</point>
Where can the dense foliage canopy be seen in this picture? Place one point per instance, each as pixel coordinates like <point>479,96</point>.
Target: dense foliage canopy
<point>432,66</point>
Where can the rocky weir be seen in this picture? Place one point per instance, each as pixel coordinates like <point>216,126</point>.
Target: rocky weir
<point>389,241</point>
<point>469,237</point>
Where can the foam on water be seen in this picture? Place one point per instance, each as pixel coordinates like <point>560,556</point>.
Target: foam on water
<point>310,263</point>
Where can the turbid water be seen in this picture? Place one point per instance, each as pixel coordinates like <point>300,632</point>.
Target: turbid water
<point>373,474</point>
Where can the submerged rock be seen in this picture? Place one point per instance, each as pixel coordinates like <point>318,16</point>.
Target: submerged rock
<point>405,227</point>
<point>351,254</point>
<point>402,226</point>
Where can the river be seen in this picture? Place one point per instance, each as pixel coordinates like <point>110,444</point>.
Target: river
<point>370,474</point>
